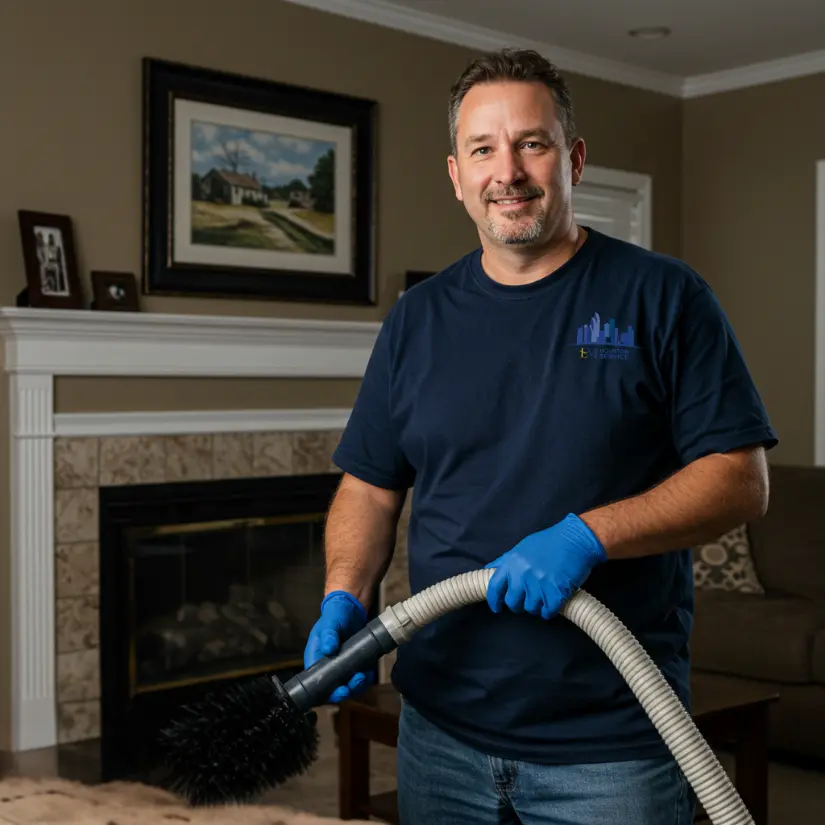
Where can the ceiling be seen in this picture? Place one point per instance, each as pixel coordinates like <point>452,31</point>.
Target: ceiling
<point>713,45</point>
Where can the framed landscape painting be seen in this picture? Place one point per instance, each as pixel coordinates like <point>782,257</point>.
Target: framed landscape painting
<point>256,189</point>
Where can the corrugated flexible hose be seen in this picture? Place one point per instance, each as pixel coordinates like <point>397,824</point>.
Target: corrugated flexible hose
<point>707,777</point>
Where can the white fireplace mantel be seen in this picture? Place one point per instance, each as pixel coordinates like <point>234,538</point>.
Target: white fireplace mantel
<point>83,342</point>
<point>41,344</point>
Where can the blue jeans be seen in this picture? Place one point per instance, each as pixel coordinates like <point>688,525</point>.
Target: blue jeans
<point>443,782</point>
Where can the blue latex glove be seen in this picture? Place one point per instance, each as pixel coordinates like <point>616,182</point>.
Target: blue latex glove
<point>342,615</point>
<point>544,569</point>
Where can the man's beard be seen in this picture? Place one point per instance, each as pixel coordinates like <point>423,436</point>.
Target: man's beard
<point>517,233</point>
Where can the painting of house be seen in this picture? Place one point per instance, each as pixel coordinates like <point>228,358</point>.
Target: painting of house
<point>301,199</point>
<point>224,186</point>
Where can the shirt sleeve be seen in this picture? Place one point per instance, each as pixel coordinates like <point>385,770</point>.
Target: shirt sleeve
<point>369,447</point>
<point>715,406</point>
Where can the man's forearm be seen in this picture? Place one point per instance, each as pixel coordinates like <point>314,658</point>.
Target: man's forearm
<point>700,502</point>
<point>360,537</point>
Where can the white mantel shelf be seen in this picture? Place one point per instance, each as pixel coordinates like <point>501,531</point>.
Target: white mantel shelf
<point>85,342</point>
<point>42,344</point>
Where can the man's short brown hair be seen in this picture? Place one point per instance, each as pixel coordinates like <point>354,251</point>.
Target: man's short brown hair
<point>513,64</point>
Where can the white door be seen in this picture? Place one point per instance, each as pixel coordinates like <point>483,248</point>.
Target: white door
<point>616,203</point>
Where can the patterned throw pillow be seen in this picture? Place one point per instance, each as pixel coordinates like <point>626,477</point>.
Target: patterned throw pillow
<point>727,564</point>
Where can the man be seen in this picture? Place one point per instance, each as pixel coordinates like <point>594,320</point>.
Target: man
<point>573,411</point>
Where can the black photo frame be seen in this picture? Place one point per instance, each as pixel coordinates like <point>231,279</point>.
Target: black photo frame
<point>50,259</point>
<point>256,189</point>
<point>415,276</point>
<point>114,291</point>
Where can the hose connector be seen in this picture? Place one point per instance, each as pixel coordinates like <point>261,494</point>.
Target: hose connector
<point>399,623</point>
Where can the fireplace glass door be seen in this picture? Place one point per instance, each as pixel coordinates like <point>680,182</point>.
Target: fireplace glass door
<point>222,598</point>
<point>203,584</point>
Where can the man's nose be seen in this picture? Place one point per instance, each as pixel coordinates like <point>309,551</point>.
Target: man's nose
<point>509,168</point>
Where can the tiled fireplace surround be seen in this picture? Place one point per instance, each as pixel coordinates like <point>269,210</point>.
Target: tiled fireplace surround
<point>66,459</point>
<point>82,465</point>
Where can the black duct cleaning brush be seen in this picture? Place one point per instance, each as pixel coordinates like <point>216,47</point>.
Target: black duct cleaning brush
<point>237,743</point>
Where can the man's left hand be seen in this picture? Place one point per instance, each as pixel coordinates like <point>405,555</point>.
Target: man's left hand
<point>544,569</point>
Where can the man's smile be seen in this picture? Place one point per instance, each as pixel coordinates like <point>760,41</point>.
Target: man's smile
<point>513,201</point>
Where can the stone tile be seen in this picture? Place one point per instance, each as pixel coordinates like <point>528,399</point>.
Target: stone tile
<point>130,459</point>
<point>188,457</point>
<point>232,455</point>
<point>385,666</point>
<point>77,623</point>
<point>76,515</point>
<point>272,454</point>
<point>77,569</point>
<point>396,584</point>
<point>77,721</point>
<point>333,440</point>
<point>78,675</point>
<point>311,452</point>
<point>76,462</point>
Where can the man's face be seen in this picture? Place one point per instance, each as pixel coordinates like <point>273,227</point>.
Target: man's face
<point>512,169</point>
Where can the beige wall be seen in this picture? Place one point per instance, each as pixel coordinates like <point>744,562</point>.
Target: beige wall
<point>748,180</point>
<point>86,394</point>
<point>638,131</point>
<point>70,94</point>
<point>73,91</point>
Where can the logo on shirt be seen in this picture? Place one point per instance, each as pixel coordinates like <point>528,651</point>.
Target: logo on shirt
<point>597,340</point>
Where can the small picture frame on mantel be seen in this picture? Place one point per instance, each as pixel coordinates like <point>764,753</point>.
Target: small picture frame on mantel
<point>52,280</point>
<point>114,291</point>
<point>413,277</point>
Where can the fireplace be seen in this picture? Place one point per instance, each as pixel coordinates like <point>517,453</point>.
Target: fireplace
<point>201,583</point>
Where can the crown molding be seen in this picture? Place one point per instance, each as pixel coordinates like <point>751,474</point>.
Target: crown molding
<point>447,30</point>
<point>756,74</point>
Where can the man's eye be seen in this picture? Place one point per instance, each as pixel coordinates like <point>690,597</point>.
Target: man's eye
<point>480,150</point>
<point>532,144</point>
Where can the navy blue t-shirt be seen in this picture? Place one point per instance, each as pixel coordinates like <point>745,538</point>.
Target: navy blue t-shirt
<point>507,407</point>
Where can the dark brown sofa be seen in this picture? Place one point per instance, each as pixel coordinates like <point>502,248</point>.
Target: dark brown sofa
<point>777,639</point>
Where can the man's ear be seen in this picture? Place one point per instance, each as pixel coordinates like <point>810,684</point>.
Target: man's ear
<point>452,168</point>
<point>578,153</point>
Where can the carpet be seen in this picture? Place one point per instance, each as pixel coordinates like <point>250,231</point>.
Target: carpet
<point>40,801</point>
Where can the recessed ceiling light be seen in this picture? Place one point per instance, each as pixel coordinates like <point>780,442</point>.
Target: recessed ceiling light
<point>650,32</point>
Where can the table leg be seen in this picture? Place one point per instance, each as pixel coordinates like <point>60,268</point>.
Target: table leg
<point>752,764</point>
<point>353,769</point>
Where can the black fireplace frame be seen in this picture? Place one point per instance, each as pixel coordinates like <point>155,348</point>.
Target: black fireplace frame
<point>125,749</point>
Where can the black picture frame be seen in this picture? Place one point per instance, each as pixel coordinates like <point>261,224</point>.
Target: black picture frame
<point>415,276</point>
<point>50,259</point>
<point>114,291</point>
<point>318,256</point>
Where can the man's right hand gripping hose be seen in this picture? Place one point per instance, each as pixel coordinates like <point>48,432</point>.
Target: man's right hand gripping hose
<point>342,615</point>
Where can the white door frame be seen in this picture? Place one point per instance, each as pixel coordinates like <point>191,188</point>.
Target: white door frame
<point>637,182</point>
<point>819,342</point>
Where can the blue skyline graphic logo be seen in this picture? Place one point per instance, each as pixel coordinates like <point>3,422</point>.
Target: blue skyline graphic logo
<point>604,340</point>
<point>605,335</point>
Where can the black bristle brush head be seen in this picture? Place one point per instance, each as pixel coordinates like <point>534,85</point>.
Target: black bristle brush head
<point>235,744</point>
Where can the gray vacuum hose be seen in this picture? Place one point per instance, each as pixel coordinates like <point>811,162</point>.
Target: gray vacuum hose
<point>707,777</point>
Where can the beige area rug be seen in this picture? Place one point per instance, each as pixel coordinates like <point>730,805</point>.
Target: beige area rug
<point>53,801</point>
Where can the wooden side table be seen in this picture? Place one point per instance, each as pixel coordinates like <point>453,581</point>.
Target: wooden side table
<point>727,713</point>
<point>370,717</point>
